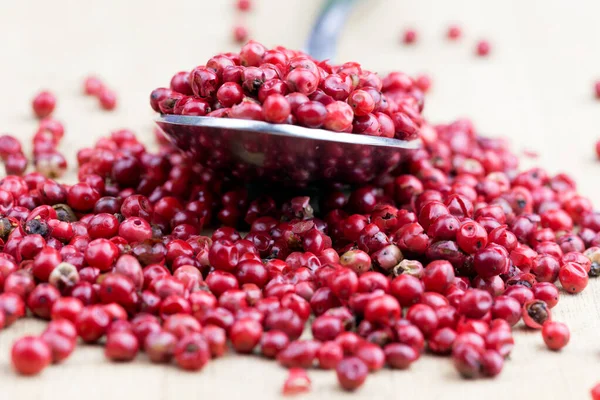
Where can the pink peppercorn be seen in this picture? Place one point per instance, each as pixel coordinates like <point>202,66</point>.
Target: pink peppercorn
<point>107,99</point>
<point>92,86</point>
<point>454,32</point>
<point>240,33</point>
<point>483,48</point>
<point>409,36</point>
<point>43,104</point>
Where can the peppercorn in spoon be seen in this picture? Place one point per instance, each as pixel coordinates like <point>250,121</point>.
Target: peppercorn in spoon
<point>235,138</point>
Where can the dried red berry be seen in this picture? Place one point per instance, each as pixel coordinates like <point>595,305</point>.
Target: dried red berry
<point>107,99</point>
<point>245,335</point>
<point>43,104</point>
<point>92,86</point>
<point>192,352</point>
<point>240,33</point>
<point>483,48</point>
<point>536,313</point>
<point>121,346</point>
<point>351,373</point>
<point>573,277</point>
<point>454,32</point>
<point>556,335</point>
<point>30,355</point>
<point>409,36</point>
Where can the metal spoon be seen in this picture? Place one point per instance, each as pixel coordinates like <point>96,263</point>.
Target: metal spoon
<point>288,154</point>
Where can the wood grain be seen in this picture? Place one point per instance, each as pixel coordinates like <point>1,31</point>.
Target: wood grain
<point>535,88</point>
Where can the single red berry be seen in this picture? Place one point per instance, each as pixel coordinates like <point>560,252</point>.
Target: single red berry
<point>454,32</point>
<point>30,355</point>
<point>409,36</point>
<point>547,292</point>
<point>409,334</point>
<point>192,352</point>
<point>536,313</point>
<point>491,261</point>
<point>244,5</point>
<point>507,308</point>
<point>92,86</point>
<point>475,303</point>
<point>597,89</point>
<point>240,33</point>
<point>160,346</point>
<point>272,342</point>
<point>467,360</point>
<point>245,335</point>
<point>356,260</point>
<point>121,346</point>
<point>572,277</point>
<point>442,340</point>
<point>223,255</point>
<point>101,253</point>
<point>16,164</point>
<point>423,82</point>
<point>545,268</point>
<point>384,310</point>
<point>371,355</point>
<point>326,327</point>
<point>423,317</point>
<point>400,356</point>
<point>491,363</point>
<point>43,104</point>
<point>107,99</point>
<point>41,299</point>
<point>180,83</point>
<point>437,276</point>
<point>303,81</point>
<point>276,109</point>
<point>556,335</point>
<point>351,373</point>
<point>330,354</point>
<point>471,237</point>
<point>82,197</point>
<point>361,102</point>
<point>217,340</point>
<point>483,48</point>
<point>407,289</point>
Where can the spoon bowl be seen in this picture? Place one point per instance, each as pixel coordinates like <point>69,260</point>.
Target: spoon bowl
<point>280,153</point>
<point>289,155</point>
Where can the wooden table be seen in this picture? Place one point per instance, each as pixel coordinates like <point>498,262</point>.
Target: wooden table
<point>535,89</point>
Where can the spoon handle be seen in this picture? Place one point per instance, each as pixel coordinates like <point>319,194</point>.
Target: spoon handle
<point>323,38</point>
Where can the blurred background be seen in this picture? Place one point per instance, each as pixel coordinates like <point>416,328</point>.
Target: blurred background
<point>535,88</point>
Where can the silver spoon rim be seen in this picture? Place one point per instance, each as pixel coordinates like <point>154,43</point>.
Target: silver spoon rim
<point>286,130</point>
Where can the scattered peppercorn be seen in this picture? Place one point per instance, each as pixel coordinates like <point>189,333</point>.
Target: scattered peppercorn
<point>483,48</point>
<point>447,252</point>
<point>409,36</point>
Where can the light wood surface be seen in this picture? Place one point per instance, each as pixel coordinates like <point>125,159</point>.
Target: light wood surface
<point>535,88</point>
